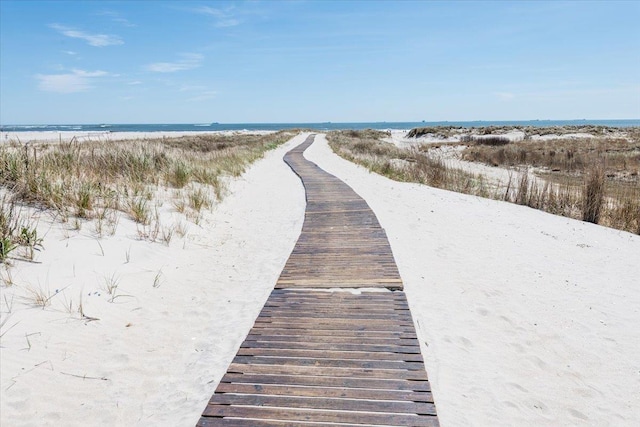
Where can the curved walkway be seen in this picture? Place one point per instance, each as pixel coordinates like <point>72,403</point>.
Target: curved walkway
<point>342,243</point>
<point>323,358</point>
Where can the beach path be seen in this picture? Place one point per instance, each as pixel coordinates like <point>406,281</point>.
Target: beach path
<point>321,356</point>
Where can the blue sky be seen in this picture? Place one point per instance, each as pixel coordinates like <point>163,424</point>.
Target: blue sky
<point>315,61</point>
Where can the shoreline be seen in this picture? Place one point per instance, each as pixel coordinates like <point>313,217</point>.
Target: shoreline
<point>442,132</point>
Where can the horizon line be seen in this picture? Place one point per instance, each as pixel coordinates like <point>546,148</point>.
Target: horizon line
<point>313,122</point>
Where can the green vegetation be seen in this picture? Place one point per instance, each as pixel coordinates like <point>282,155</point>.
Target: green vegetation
<point>593,179</point>
<point>96,179</point>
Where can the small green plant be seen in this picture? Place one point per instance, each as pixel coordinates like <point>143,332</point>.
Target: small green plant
<point>84,200</point>
<point>179,175</point>
<point>180,205</point>
<point>139,210</point>
<point>6,247</point>
<point>29,239</point>
<point>9,224</point>
<point>198,199</point>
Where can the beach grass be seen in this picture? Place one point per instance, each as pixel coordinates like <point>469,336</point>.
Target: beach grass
<point>94,180</point>
<point>408,165</point>
<point>593,179</point>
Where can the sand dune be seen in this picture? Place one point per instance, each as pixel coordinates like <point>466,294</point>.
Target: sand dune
<point>525,318</point>
<point>157,353</point>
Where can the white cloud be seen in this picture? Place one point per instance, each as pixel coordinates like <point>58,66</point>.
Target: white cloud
<point>117,17</point>
<point>75,81</point>
<point>225,23</point>
<point>208,94</point>
<point>191,88</point>
<point>224,17</point>
<point>206,10</point>
<point>135,83</point>
<point>98,40</point>
<point>505,96</point>
<point>188,62</point>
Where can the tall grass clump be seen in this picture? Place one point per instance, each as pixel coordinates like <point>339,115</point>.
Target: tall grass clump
<point>593,194</point>
<point>17,230</point>
<point>410,165</point>
<point>492,140</point>
<point>9,225</point>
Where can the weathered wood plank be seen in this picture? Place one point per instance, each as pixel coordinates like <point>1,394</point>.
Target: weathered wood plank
<point>329,358</point>
<point>339,363</point>
<point>334,333</point>
<point>287,414</point>
<point>237,422</point>
<point>374,373</point>
<point>333,346</point>
<point>382,384</point>
<point>331,339</point>
<point>324,402</point>
<point>329,354</point>
<point>317,391</point>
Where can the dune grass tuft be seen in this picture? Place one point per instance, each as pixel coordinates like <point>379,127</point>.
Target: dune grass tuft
<point>92,180</point>
<point>593,179</point>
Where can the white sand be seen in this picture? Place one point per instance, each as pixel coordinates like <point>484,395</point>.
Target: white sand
<point>578,135</point>
<point>182,335</point>
<point>495,177</point>
<point>66,136</point>
<point>524,318</point>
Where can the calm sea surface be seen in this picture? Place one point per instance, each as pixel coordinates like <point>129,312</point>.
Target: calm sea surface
<point>205,127</point>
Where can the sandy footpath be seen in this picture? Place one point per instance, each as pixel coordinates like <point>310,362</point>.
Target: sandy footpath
<point>179,314</point>
<point>525,318</point>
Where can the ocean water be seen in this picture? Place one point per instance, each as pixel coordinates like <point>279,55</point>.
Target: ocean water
<point>204,127</point>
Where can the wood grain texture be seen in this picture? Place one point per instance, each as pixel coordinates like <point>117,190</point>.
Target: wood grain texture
<point>329,357</point>
<point>342,243</point>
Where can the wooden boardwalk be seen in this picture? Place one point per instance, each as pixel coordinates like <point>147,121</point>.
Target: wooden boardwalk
<point>341,244</point>
<point>329,358</point>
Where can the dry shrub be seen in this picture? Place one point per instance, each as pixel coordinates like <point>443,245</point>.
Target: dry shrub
<point>622,211</point>
<point>491,141</point>
<point>616,204</point>
<point>593,194</point>
<point>437,131</point>
<point>411,165</point>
